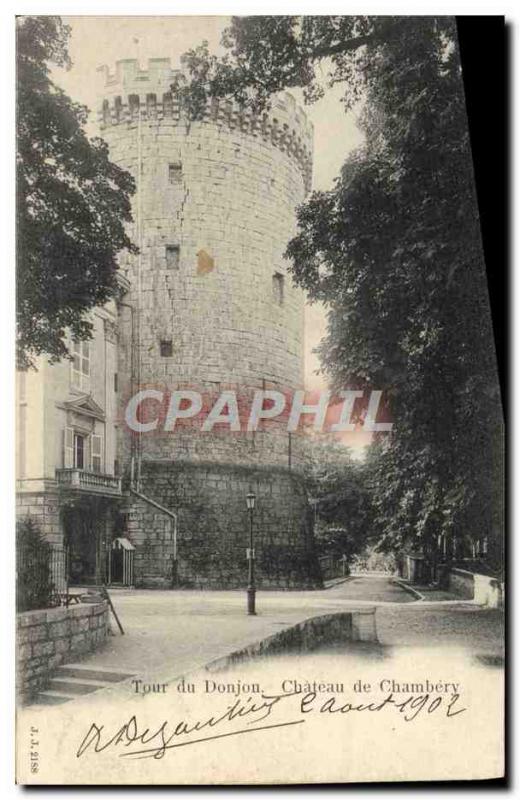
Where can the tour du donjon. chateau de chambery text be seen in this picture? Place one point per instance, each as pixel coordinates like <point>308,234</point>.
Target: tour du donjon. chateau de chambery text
<point>210,306</point>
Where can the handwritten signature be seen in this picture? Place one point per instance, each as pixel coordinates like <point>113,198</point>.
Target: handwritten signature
<point>155,742</point>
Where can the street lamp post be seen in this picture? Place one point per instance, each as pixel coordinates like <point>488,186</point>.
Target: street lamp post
<point>251,588</point>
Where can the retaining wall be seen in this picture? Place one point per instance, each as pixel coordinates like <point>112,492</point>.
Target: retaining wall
<point>311,634</point>
<point>483,589</point>
<point>47,638</point>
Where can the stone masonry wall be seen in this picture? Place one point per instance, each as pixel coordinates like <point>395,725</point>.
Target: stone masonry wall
<point>482,589</point>
<point>315,633</point>
<point>213,527</point>
<point>45,639</point>
<point>462,583</point>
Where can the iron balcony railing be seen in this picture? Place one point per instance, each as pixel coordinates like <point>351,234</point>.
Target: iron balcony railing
<point>92,482</point>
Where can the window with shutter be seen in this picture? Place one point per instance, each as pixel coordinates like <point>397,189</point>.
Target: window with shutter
<point>95,443</point>
<point>68,448</point>
<point>80,366</point>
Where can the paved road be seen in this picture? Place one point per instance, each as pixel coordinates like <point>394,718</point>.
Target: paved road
<point>170,632</point>
<point>373,588</point>
<point>462,626</point>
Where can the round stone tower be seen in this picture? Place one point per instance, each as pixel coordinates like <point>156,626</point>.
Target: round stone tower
<point>211,308</point>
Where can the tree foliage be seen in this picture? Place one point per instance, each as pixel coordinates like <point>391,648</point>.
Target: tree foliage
<point>338,485</point>
<point>269,54</point>
<point>33,574</point>
<point>72,202</point>
<point>394,251</point>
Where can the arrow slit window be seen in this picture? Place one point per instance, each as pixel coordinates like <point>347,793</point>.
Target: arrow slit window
<point>175,173</point>
<point>172,256</point>
<point>166,348</point>
<point>278,288</point>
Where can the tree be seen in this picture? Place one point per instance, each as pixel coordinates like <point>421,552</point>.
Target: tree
<point>394,251</point>
<point>33,574</point>
<point>72,203</point>
<point>268,54</point>
<point>340,488</point>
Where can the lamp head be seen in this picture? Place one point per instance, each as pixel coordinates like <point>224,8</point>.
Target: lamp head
<point>250,500</point>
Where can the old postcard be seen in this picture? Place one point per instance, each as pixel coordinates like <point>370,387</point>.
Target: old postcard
<point>260,524</point>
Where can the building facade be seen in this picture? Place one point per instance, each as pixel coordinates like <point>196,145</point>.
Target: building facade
<point>67,452</point>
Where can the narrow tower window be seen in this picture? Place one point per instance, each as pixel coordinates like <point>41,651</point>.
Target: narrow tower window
<point>166,347</point>
<point>175,173</point>
<point>172,256</point>
<point>278,288</point>
<point>133,104</point>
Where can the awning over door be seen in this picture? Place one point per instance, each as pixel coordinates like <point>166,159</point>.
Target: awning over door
<point>122,542</point>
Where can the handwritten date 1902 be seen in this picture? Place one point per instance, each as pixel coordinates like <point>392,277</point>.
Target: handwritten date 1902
<point>153,742</point>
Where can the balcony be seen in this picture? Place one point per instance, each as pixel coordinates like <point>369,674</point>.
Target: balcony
<point>80,480</point>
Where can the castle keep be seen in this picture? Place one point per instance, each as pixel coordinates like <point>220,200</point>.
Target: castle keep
<point>210,307</point>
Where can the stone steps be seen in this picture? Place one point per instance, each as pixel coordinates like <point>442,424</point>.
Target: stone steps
<point>106,674</point>
<point>51,698</point>
<point>75,685</point>
<point>73,680</point>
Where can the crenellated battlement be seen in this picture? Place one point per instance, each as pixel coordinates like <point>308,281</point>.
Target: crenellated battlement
<point>130,94</point>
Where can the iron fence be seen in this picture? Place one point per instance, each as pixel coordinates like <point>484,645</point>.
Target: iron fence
<point>41,576</point>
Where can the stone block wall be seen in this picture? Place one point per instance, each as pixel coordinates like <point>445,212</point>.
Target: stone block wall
<point>462,583</point>
<point>483,589</point>
<point>213,527</point>
<point>358,625</point>
<point>413,567</point>
<point>47,638</point>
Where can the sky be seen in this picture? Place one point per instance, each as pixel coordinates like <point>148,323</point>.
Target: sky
<point>96,41</point>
